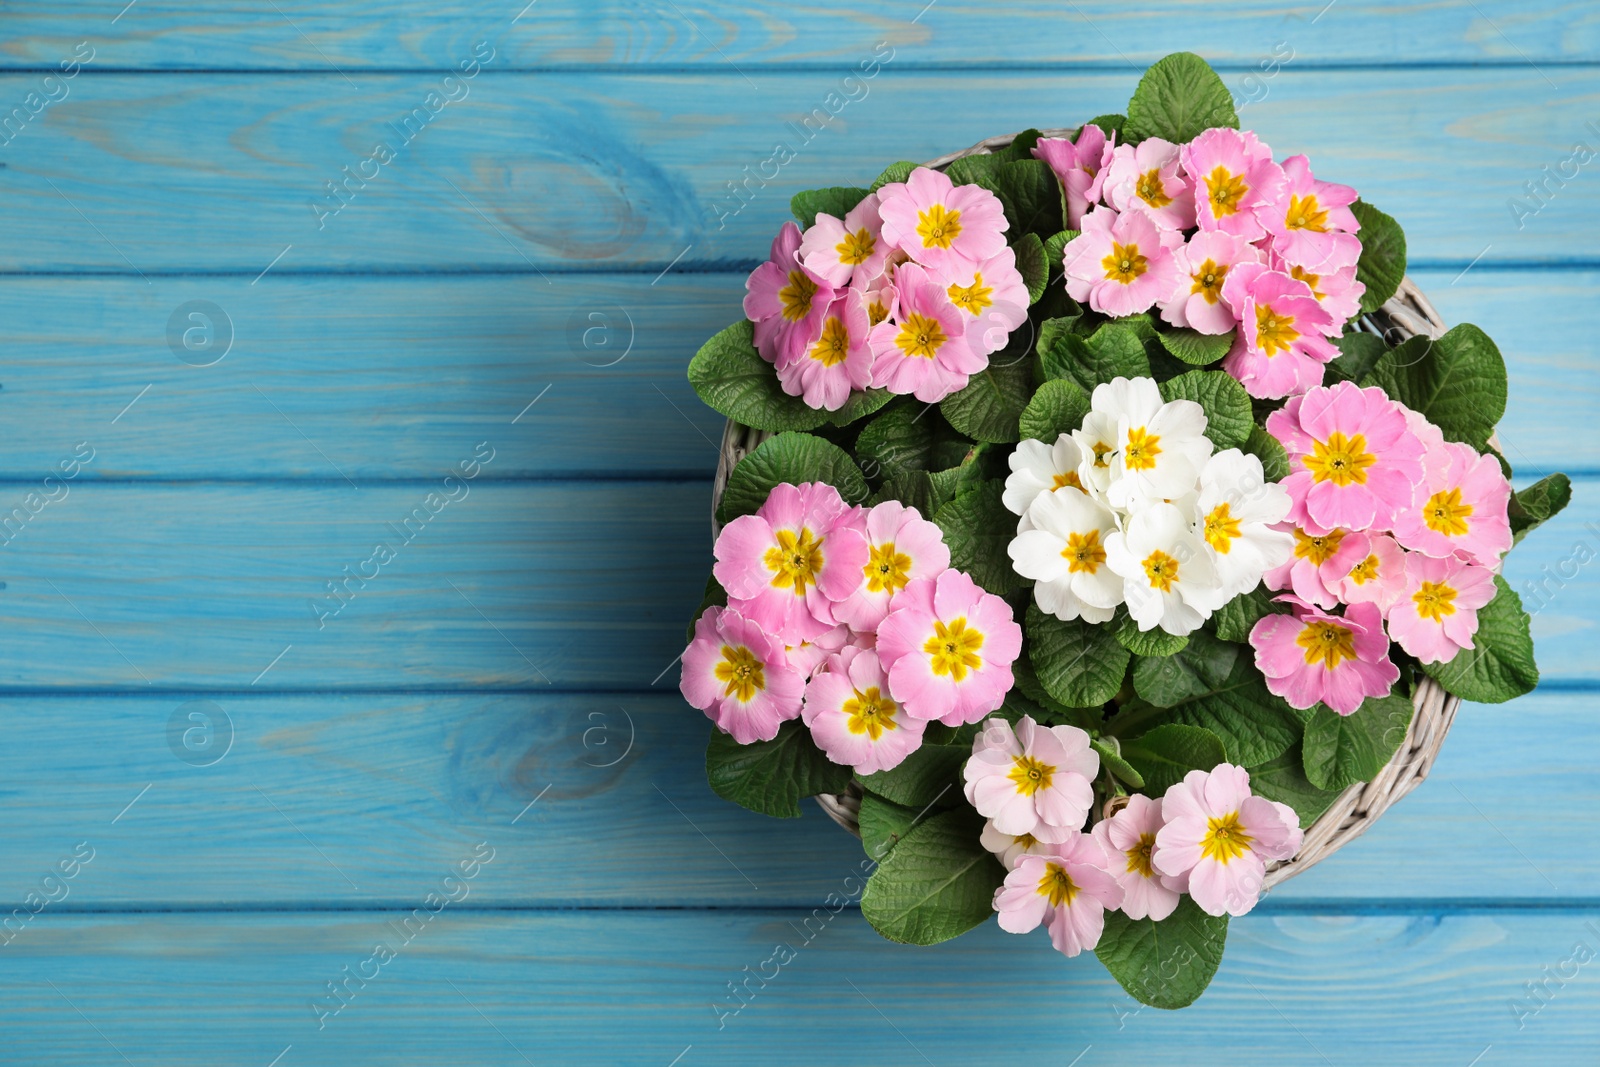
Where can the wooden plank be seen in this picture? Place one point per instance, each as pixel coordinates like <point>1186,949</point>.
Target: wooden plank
<point>560,171</point>
<point>584,586</point>
<point>303,35</point>
<point>394,376</point>
<point>1405,989</point>
<point>356,800</point>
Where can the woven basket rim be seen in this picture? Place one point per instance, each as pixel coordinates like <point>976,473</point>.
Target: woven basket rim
<point>1406,314</point>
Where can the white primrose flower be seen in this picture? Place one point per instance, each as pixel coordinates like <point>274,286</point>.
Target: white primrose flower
<point>1234,515</point>
<point>1037,467</point>
<point>1097,444</point>
<point>1168,578</point>
<point>1160,447</point>
<point>1064,552</point>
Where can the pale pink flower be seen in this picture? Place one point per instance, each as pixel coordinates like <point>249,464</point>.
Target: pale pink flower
<point>1355,461</point>
<point>994,295</point>
<point>942,225</point>
<point>1460,508</point>
<point>1311,223</point>
<point>925,350</point>
<point>1146,178</point>
<point>786,565</point>
<point>738,675</point>
<point>1282,342</point>
<point>1436,614</point>
<point>1335,289</point>
<point>1032,779</point>
<point>1206,260</point>
<point>1367,568</point>
<point>852,717</point>
<point>786,301</point>
<point>1218,836</point>
<point>902,546</point>
<point>1008,848</point>
<point>1068,887</point>
<point>1079,166</point>
<point>807,656</point>
<point>1311,656</point>
<point>1307,572</point>
<point>1129,839</point>
<point>838,361</point>
<point>1233,175</point>
<point>849,250</point>
<point>1122,264</point>
<point>948,647</point>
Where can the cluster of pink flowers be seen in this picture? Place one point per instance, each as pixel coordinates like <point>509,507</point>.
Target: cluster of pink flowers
<point>1217,236</point>
<point>1208,836</point>
<point>1402,528</point>
<point>910,291</point>
<point>852,618</point>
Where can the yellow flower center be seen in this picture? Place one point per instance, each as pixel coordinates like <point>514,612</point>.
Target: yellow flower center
<point>796,296</point>
<point>856,248</point>
<point>938,227</point>
<point>1274,332</point>
<point>1161,569</point>
<point>876,312</point>
<point>1316,549</point>
<point>833,346</point>
<point>1140,453</point>
<point>1030,775</point>
<point>920,336</point>
<point>1225,190</point>
<point>1084,552</point>
<point>1057,885</point>
<point>741,673</point>
<point>1124,264</point>
<point>972,298</point>
<point>1102,449</point>
<point>887,571</point>
<point>1434,600</point>
<point>954,649</point>
<point>1326,643</point>
<point>1221,528</point>
<point>1151,189</point>
<point>1446,513</point>
<point>1306,214</point>
<point>795,560</point>
<point>1340,459</point>
<point>1225,840</point>
<point>1208,280</point>
<point>1070,478</point>
<point>870,713</point>
<point>1365,571</point>
<point>1310,279</point>
<point>1139,857</point>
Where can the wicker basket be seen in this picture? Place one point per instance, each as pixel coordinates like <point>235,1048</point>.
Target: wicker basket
<point>1407,314</point>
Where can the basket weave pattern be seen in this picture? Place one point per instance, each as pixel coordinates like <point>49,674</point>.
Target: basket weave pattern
<point>1407,314</point>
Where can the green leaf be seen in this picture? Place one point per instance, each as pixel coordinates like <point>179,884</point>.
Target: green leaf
<point>1165,964</point>
<point>937,883</point>
<point>1179,98</point>
<point>1055,249</point>
<point>1021,146</point>
<point>1227,406</point>
<point>1270,451</point>
<point>858,405</point>
<point>1152,642</point>
<point>1054,712</point>
<point>883,823</point>
<point>951,483</point>
<point>1541,501</point>
<point>1458,382</point>
<point>977,527</point>
<point>1078,663</point>
<point>836,201</point>
<point>1195,347</point>
<point>795,458</point>
<point>1167,753</point>
<point>974,170</point>
<point>1032,265</point>
<point>895,172</point>
<point>1057,408</point>
<point>1031,196</point>
<point>988,407</point>
<point>914,489</point>
<point>770,777</point>
<point>1113,762</point>
<point>733,380</point>
<point>1109,124</point>
<point>1382,266</point>
<point>898,440</point>
<point>926,775</point>
<point>1341,750</point>
<point>1500,664</point>
<point>715,596</point>
<point>1358,351</point>
<point>1284,779</point>
<point>1114,351</point>
<point>1237,617</point>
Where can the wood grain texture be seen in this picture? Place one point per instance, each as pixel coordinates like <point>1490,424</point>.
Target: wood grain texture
<point>640,988</point>
<point>556,172</point>
<point>305,35</point>
<point>346,801</point>
<point>393,377</point>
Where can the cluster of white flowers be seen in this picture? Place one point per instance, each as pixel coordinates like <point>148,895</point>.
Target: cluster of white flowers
<point>1133,508</point>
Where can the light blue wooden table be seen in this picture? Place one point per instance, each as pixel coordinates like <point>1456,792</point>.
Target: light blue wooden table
<point>256,767</point>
